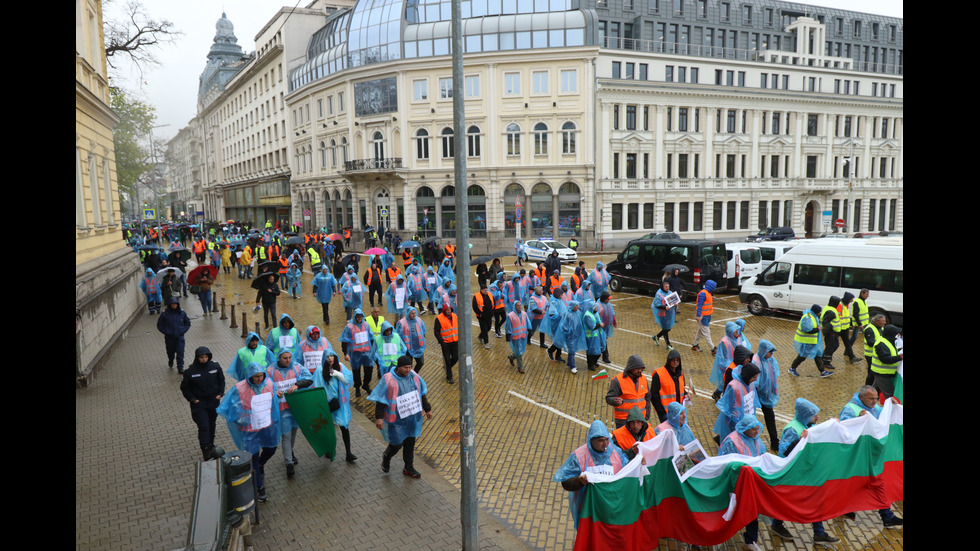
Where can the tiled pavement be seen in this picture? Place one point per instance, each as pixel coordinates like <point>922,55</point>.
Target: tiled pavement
<point>135,491</point>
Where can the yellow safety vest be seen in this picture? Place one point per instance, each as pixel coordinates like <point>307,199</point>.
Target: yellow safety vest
<point>879,366</point>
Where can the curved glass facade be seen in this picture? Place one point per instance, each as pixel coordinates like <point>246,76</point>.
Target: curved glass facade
<point>378,31</point>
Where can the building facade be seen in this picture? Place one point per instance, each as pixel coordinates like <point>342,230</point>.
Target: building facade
<point>603,119</point>
<point>107,274</point>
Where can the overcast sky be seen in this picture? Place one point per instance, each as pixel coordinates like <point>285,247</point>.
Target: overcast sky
<point>172,86</point>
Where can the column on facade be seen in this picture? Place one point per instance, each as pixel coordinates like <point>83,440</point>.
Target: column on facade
<point>754,155</point>
<point>660,136</point>
<point>709,142</point>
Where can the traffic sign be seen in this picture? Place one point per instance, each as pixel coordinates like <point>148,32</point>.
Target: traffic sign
<point>384,211</point>
<point>306,214</point>
<point>839,223</point>
<point>149,213</point>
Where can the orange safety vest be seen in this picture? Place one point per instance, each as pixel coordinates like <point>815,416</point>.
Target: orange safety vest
<point>451,251</point>
<point>199,247</point>
<point>393,273</point>
<point>346,234</point>
<point>706,308</point>
<point>479,301</point>
<point>370,276</point>
<point>283,265</point>
<point>554,282</point>
<point>625,439</point>
<point>668,392</point>
<point>407,258</point>
<point>448,327</point>
<point>633,395</point>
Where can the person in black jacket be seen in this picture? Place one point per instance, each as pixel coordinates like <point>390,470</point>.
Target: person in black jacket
<point>267,295</point>
<point>203,386</point>
<point>173,323</point>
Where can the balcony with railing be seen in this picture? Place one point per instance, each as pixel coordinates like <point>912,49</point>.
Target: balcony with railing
<point>373,165</point>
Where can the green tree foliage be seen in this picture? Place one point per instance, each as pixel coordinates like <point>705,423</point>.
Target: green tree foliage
<point>135,121</point>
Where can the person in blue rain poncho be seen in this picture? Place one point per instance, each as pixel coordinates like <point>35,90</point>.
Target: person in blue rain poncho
<point>412,331</point>
<point>293,286</point>
<point>739,400</point>
<point>608,315</point>
<point>662,314</point>
<point>742,339</point>
<point>511,290</point>
<point>388,347</point>
<point>324,288</point>
<point>312,349</point>
<point>416,285</point>
<point>446,270</point>
<point>397,298</point>
<point>537,309</point>
<point>333,376</point>
<point>745,440</point>
<point>253,351</point>
<point>598,455</point>
<point>584,294</point>
<point>808,341</point>
<point>551,325</point>
<point>251,410</point>
<point>357,344</point>
<point>442,293</point>
<point>151,289</point>
<point>768,387</point>
<point>288,376</point>
<point>724,357</point>
<point>599,279</point>
<point>595,334</point>
<point>284,336</point>
<point>352,292</point>
<point>516,328</point>
<point>400,400</point>
<point>432,283</point>
<point>806,416</point>
<point>677,421</point>
<point>573,333</point>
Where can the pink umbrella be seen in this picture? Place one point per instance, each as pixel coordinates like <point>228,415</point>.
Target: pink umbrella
<point>375,251</point>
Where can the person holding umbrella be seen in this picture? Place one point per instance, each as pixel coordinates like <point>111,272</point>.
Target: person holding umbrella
<point>268,293</point>
<point>203,278</point>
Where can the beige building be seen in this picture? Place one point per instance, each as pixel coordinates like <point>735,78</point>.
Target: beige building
<point>107,273</point>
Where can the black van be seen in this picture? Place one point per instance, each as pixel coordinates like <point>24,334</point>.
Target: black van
<point>643,261</point>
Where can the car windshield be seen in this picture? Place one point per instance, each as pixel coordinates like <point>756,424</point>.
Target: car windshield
<point>750,256</point>
<point>713,255</point>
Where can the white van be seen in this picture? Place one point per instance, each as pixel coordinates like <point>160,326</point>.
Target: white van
<point>815,270</point>
<point>771,250</point>
<point>744,263</point>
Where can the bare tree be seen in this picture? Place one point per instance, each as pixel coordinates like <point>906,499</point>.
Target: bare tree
<point>135,34</point>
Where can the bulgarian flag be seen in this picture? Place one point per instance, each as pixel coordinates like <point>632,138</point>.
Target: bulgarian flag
<point>600,375</point>
<point>841,467</point>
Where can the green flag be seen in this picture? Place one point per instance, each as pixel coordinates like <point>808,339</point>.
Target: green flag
<point>312,412</point>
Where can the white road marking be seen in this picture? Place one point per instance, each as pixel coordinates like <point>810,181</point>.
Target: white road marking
<point>549,408</point>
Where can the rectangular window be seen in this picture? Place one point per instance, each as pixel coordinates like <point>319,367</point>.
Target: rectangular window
<point>811,125</point>
<point>616,69</point>
<point>341,104</point>
<point>698,220</point>
<point>811,166</point>
<point>539,82</point>
<point>811,274</point>
<point>730,166</point>
<point>682,165</point>
<point>731,121</point>
<point>617,216</point>
<point>669,216</point>
<point>684,216</point>
<point>512,84</point>
<point>631,165</point>
<point>644,70</point>
<point>716,213</point>
<point>633,216</point>
<point>631,117</point>
<point>648,215</point>
<point>420,90</point>
<point>682,119</point>
<point>616,165</point>
<point>681,74</point>
<point>669,73</point>
<point>446,88</point>
<point>630,70</point>
<point>472,86</point>
<point>694,75</point>
<point>744,216</point>
<point>569,80</point>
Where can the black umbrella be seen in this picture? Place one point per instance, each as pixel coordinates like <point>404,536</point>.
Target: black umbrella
<point>291,234</point>
<point>480,260</point>
<point>269,266</point>
<point>500,254</point>
<point>350,259</point>
<point>148,248</point>
<point>669,269</point>
<point>259,281</point>
<point>295,241</point>
<point>433,238</point>
<point>179,254</point>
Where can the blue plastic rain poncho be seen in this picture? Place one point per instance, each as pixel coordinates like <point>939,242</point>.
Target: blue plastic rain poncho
<point>742,339</point>
<point>573,330</point>
<point>387,259</point>
<point>517,320</point>
<point>511,292</point>
<point>664,316</point>
<point>551,325</point>
<point>724,355</point>
<point>324,286</point>
<point>151,288</point>
<point>446,270</point>
<point>253,351</point>
<point>312,350</point>
<point>768,382</point>
<point>587,459</point>
<point>809,325</point>
<point>283,378</point>
<point>412,332</point>
<point>364,358</point>
<point>537,310</point>
<point>338,382</point>
<point>599,279</point>
<point>388,348</point>
<point>806,411</point>
<point>293,275</point>
<point>432,283</point>
<point>284,336</point>
<point>739,400</point>
<point>252,412</point>
<point>608,315</point>
<point>584,295</point>
<point>855,406</point>
<point>416,284</point>
<point>397,297</point>
<point>595,337</point>
<point>390,387</point>
<point>352,291</point>
<point>682,431</point>
<point>740,442</point>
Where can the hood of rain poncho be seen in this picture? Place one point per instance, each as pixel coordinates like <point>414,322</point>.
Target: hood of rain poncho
<point>358,312</point>
<point>385,326</point>
<point>285,317</point>
<point>150,272</point>
<point>741,326</point>
<point>573,305</point>
<point>710,286</point>
<point>253,335</point>
<point>254,369</point>
<point>309,332</point>
<point>599,265</point>
<point>746,424</point>
<point>730,329</point>
<point>674,411</point>
<point>805,410</point>
<point>598,429</point>
<point>764,348</point>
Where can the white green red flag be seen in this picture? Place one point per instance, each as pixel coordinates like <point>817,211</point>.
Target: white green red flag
<point>841,467</point>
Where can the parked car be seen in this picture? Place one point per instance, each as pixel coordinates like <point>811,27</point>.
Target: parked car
<point>772,250</point>
<point>744,263</point>
<point>781,233</point>
<point>642,263</point>
<point>540,249</point>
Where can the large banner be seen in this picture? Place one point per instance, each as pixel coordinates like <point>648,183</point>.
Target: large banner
<point>312,412</point>
<point>841,467</point>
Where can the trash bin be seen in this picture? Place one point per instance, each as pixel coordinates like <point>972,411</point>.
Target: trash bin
<point>241,488</point>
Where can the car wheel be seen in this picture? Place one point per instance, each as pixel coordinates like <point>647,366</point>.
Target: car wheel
<point>615,285</point>
<point>757,305</point>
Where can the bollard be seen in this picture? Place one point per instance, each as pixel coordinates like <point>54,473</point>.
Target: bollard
<point>223,316</point>
<point>233,324</point>
<point>244,326</point>
<point>214,305</point>
<point>257,328</point>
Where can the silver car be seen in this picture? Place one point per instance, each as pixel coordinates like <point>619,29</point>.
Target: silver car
<point>541,249</point>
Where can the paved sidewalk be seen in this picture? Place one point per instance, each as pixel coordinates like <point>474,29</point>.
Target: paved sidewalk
<point>136,448</point>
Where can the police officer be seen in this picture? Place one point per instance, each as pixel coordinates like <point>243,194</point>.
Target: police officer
<point>203,386</point>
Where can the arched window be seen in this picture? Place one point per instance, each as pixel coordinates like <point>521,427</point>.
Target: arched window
<point>473,141</point>
<point>447,143</point>
<point>379,146</point>
<point>511,194</point>
<point>514,140</point>
<point>333,153</point>
<point>569,210</point>
<point>343,149</point>
<point>541,139</point>
<point>477,211</point>
<point>323,154</point>
<point>422,144</point>
<point>541,202</point>
<point>425,206</point>
<point>568,132</point>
